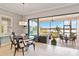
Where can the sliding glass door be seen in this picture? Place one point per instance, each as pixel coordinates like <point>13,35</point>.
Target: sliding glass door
<point>70,27</point>
<point>49,25</point>
<point>44,28</point>
<point>74,27</point>
<point>33,26</point>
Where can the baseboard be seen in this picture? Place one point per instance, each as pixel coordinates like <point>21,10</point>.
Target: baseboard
<point>5,44</point>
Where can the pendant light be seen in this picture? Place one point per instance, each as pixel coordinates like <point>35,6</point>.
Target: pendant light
<point>23,23</point>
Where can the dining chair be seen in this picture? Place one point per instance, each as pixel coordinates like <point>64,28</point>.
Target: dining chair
<point>28,43</point>
<point>12,41</point>
<point>19,45</point>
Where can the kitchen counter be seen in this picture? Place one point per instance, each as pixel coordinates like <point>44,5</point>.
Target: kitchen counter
<point>4,35</point>
<point>4,39</point>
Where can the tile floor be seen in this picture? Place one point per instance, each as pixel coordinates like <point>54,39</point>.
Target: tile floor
<point>41,50</point>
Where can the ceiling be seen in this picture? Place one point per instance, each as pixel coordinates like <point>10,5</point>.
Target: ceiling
<point>30,8</point>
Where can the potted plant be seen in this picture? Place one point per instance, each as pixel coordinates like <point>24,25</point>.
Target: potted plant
<point>54,42</point>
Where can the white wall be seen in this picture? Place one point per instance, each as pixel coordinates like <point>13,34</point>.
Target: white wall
<point>24,29</point>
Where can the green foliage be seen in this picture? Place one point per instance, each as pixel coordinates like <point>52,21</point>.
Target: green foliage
<point>58,29</point>
<point>54,34</point>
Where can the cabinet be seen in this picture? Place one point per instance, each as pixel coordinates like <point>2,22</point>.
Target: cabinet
<point>5,29</point>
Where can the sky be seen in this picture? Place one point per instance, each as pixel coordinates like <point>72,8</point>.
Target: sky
<point>55,23</point>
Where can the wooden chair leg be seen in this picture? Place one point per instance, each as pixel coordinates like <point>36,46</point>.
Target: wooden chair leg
<point>23,51</point>
<point>15,51</point>
<point>0,43</point>
<point>11,46</point>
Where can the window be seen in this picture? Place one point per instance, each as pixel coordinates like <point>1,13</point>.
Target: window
<point>32,28</point>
